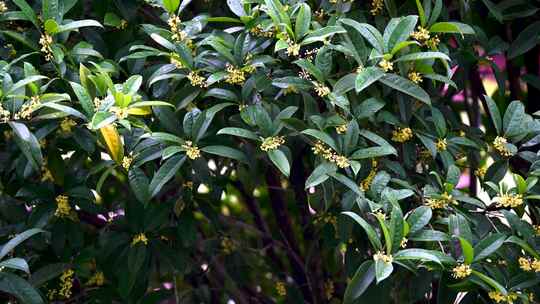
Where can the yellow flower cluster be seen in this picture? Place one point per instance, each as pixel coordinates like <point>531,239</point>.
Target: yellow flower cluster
<point>500,146</point>
<point>197,80</point>
<point>121,113</point>
<point>329,289</point>
<point>235,75</point>
<point>386,65</point>
<point>326,219</point>
<point>123,24</point>
<point>228,245</point>
<point>67,125</point>
<point>433,42</point>
<point>380,256</point>
<point>528,264</point>
<point>26,110</point>
<point>321,89</point>
<point>366,183</point>
<point>272,143</point>
<point>509,200</point>
<point>3,7</point>
<point>126,162</point>
<point>380,215</point>
<point>46,174</point>
<point>139,238</point>
<point>293,49</point>
<point>461,271</point>
<point>403,243</point>
<point>63,208</point>
<point>480,172</point>
<point>4,114</point>
<point>193,152</point>
<point>259,31</point>
<point>421,35</point>
<point>46,42</point>
<point>341,129</point>
<point>175,59</point>
<point>98,102</point>
<point>415,77</point>
<point>402,135</point>
<point>498,297</point>
<point>441,144</point>
<point>376,7</point>
<point>98,279</point>
<point>328,154</point>
<point>66,283</point>
<point>537,229</point>
<point>281,289</point>
<point>440,203</point>
<point>174,25</point>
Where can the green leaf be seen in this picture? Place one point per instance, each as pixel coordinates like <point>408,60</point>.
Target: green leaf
<point>322,137</point>
<point>113,142</point>
<point>398,30</point>
<point>322,34</point>
<point>236,7</point>
<point>77,24</point>
<point>405,86</point>
<point>23,82</point>
<point>488,246</point>
<point>51,27</point>
<point>28,11</point>
<point>320,174</point>
<point>18,239</point>
<point>421,13</point>
<point>524,245</point>
<point>513,118</point>
<point>466,250</point>
<point>452,27</point>
<point>373,152</point>
<point>367,77</point>
<point>419,218</point>
<point>18,287</point>
<point>139,184</point>
<point>372,235</point>
<point>396,227</point>
<point>280,160</point>
<point>490,282</point>
<point>382,270</point>
<point>423,56</point>
<point>171,5</point>
<point>226,152</point>
<point>239,132</point>
<point>370,33</point>
<point>494,10</point>
<point>28,143</point>
<point>418,255</point>
<point>362,279</point>
<point>16,264</point>
<point>165,173</point>
<point>525,41</point>
<point>303,20</point>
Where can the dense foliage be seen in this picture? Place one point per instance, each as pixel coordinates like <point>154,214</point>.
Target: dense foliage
<point>269,151</point>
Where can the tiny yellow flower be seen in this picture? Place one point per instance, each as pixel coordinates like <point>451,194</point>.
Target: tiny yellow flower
<point>500,146</point>
<point>321,89</point>
<point>139,238</point>
<point>3,7</point>
<point>228,245</point>
<point>272,143</point>
<point>121,113</point>
<point>341,161</point>
<point>415,77</point>
<point>281,289</point>
<point>66,284</point>
<point>67,125</point>
<point>341,129</point>
<point>63,208</point>
<point>480,172</point>
<point>376,7</point>
<point>126,162</point>
<point>433,42</point>
<point>421,35</point>
<point>461,271</point>
<point>235,75</point>
<point>525,264</point>
<point>98,279</point>
<point>507,200</point>
<point>441,144</point>
<point>329,289</point>
<point>386,65</point>
<point>175,59</point>
<point>193,152</point>
<point>293,49</point>
<point>46,42</point>
<point>5,115</point>
<point>28,108</point>
<point>380,256</point>
<point>196,80</point>
<point>402,134</point>
<point>537,230</point>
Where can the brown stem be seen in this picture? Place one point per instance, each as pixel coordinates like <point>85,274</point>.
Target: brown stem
<point>284,224</point>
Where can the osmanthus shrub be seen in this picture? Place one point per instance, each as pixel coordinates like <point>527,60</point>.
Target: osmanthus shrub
<point>268,151</point>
